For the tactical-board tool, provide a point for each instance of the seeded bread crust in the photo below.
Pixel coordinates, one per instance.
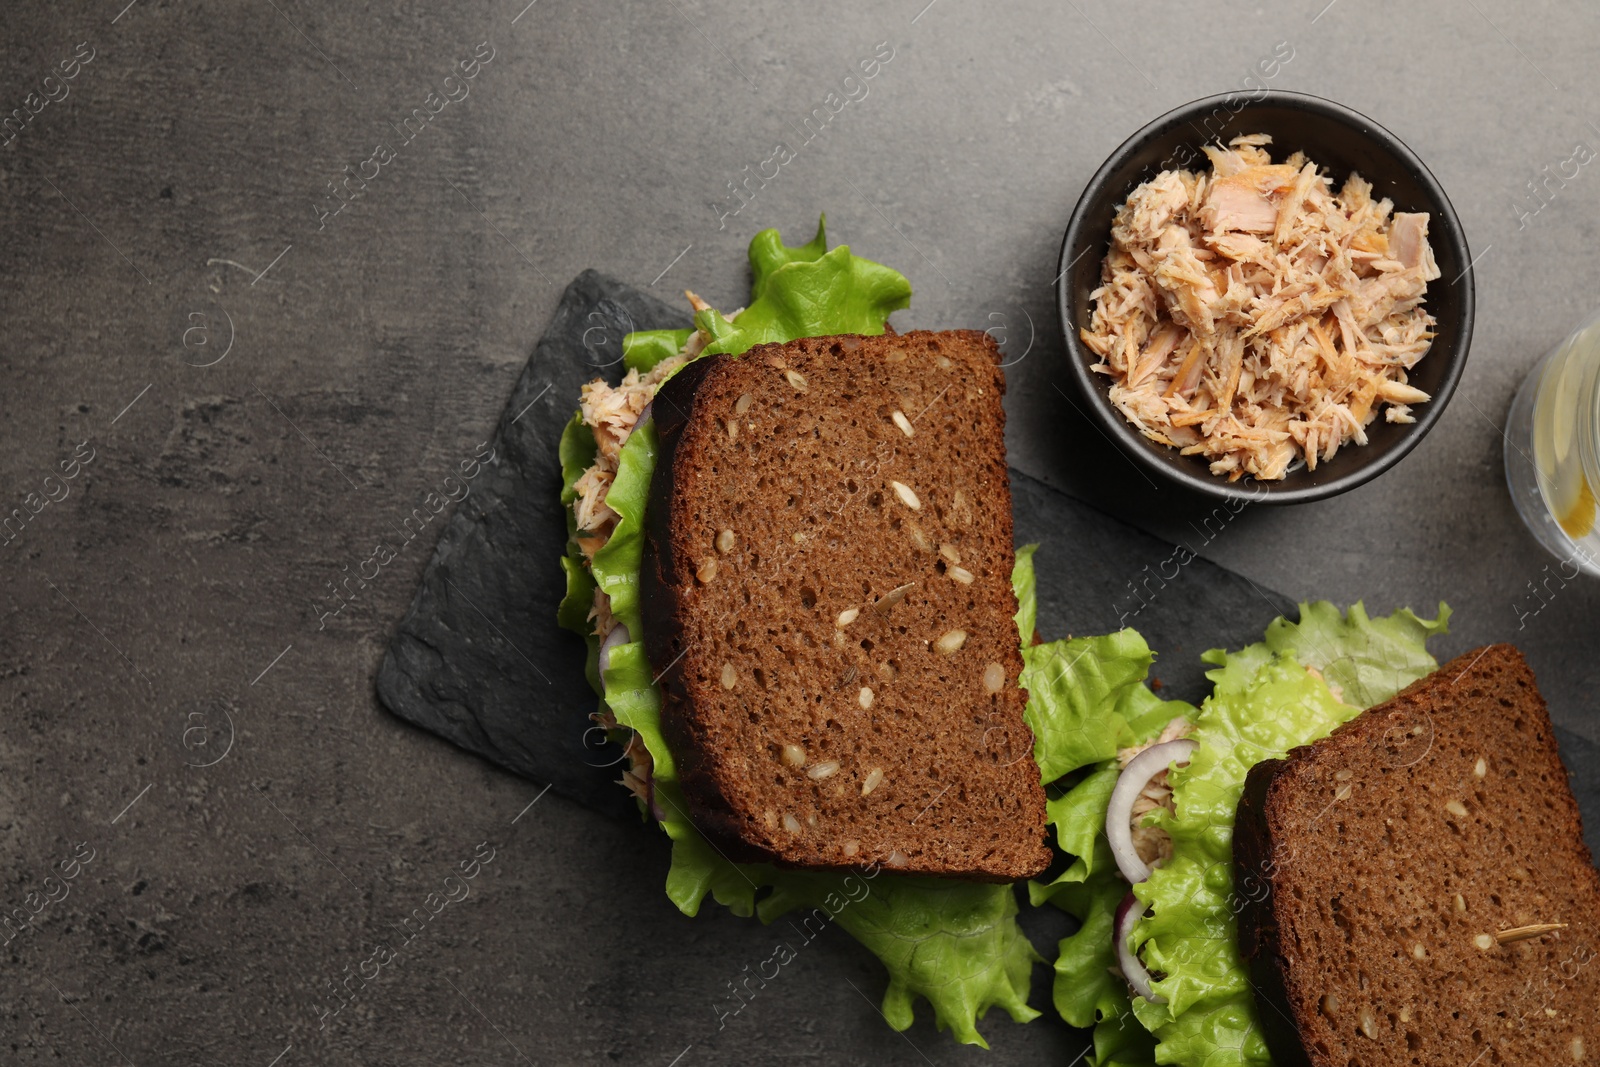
(804, 735)
(1375, 865)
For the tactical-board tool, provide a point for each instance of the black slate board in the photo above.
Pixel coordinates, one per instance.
(479, 660)
(1097, 574)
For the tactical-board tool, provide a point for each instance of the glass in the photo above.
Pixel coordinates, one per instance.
(1552, 450)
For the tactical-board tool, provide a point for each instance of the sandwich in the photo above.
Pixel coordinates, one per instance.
(791, 557)
(1479, 950)
(1344, 855)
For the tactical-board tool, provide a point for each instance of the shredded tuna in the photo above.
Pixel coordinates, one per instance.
(610, 412)
(600, 612)
(1151, 842)
(1253, 316)
(637, 778)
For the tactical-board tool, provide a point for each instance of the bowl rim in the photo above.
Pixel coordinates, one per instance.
(1134, 444)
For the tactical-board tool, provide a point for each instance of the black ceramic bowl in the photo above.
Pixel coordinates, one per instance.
(1339, 141)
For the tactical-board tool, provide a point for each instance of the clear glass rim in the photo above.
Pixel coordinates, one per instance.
(1543, 377)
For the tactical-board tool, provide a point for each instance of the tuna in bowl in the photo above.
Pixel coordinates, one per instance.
(1265, 298)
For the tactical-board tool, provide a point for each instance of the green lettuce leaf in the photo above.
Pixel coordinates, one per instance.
(1087, 698)
(577, 452)
(955, 943)
(1086, 992)
(1265, 702)
(643, 349)
(1368, 660)
(616, 565)
(807, 291)
(1025, 586)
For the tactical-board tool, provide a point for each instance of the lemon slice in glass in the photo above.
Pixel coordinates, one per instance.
(1566, 489)
(1577, 517)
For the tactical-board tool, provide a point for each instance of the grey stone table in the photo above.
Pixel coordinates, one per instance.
(270, 273)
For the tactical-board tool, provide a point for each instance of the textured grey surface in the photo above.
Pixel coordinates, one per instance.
(375, 354)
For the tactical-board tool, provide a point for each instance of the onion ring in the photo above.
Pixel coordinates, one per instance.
(1119, 812)
(619, 635)
(1133, 968)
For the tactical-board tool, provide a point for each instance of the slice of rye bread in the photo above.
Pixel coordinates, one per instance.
(796, 600)
(1375, 867)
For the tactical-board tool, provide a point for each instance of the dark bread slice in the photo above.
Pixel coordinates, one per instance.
(1348, 857)
(814, 454)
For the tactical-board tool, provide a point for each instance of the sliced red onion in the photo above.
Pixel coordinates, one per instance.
(618, 636)
(1119, 813)
(644, 413)
(1132, 967)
